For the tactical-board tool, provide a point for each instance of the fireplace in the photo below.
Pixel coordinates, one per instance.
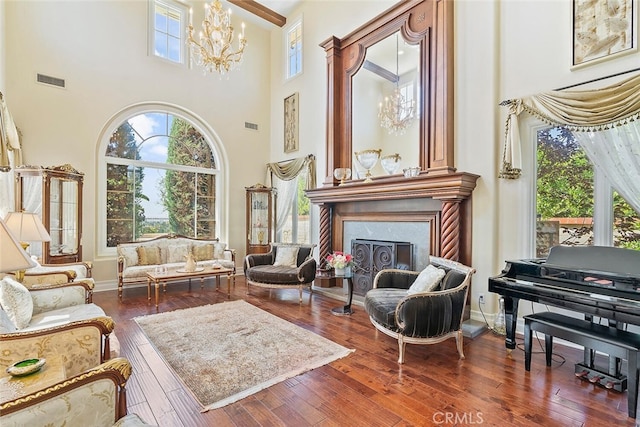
(433, 212)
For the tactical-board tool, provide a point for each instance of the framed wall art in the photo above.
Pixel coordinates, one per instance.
(291, 105)
(603, 29)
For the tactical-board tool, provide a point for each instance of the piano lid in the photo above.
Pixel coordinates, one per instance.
(600, 260)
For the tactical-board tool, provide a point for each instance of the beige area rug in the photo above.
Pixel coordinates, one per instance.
(225, 352)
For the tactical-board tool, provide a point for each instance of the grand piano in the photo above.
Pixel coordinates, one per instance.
(596, 281)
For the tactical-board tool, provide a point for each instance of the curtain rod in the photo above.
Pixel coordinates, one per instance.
(600, 78)
(309, 156)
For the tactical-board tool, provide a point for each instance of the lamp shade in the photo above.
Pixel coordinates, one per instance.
(27, 227)
(12, 256)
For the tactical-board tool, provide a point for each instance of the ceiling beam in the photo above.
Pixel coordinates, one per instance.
(261, 11)
(382, 72)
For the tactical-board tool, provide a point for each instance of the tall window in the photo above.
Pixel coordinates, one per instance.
(293, 48)
(569, 196)
(161, 177)
(168, 29)
(295, 226)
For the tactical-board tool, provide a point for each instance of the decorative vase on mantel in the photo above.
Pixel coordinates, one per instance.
(339, 271)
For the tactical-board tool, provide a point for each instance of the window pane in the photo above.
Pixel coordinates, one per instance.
(626, 224)
(173, 25)
(174, 49)
(565, 195)
(161, 18)
(146, 201)
(160, 45)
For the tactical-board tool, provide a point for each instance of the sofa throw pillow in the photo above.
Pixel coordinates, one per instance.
(130, 255)
(178, 253)
(203, 252)
(6, 325)
(286, 256)
(149, 255)
(427, 281)
(218, 250)
(16, 302)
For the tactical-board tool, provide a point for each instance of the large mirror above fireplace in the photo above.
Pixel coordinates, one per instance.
(385, 103)
(438, 199)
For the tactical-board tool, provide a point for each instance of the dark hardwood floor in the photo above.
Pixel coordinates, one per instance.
(367, 388)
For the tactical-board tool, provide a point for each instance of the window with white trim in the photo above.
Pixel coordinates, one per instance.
(575, 204)
(293, 49)
(159, 175)
(167, 30)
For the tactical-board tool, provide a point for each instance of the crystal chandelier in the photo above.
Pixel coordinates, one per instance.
(396, 113)
(214, 51)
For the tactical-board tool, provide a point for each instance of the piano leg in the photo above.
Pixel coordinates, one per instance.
(511, 320)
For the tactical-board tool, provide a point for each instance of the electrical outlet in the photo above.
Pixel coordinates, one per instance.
(481, 299)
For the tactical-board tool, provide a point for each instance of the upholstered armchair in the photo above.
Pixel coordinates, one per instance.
(96, 397)
(429, 314)
(54, 320)
(286, 265)
(53, 274)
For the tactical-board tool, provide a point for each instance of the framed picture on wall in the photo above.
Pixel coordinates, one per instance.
(291, 105)
(603, 29)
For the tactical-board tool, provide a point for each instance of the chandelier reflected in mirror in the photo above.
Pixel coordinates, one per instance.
(213, 50)
(396, 113)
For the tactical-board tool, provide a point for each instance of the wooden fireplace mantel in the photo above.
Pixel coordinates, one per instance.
(450, 186)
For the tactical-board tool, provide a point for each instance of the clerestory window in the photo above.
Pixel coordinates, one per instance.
(167, 30)
(293, 49)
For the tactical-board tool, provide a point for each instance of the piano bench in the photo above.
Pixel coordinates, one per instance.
(612, 341)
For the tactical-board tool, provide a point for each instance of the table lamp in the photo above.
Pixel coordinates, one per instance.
(12, 256)
(26, 227)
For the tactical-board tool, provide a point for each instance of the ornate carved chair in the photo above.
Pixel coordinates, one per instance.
(54, 320)
(286, 265)
(420, 316)
(96, 397)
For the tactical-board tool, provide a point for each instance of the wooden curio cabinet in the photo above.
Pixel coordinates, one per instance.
(261, 218)
(55, 194)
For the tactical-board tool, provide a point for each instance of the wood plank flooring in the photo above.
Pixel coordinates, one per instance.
(367, 388)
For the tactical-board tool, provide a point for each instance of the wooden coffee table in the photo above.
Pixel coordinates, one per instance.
(179, 275)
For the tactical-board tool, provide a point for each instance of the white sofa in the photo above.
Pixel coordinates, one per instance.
(52, 274)
(135, 259)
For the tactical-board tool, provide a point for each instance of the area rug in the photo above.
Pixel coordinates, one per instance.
(225, 352)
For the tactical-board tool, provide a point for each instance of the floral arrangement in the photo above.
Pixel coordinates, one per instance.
(340, 260)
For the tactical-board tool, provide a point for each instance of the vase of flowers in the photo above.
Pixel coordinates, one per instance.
(340, 261)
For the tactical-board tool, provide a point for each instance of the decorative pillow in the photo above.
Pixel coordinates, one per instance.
(130, 255)
(149, 255)
(427, 281)
(6, 325)
(218, 250)
(287, 256)
(16, 302)
(178, 253)
(203, 252)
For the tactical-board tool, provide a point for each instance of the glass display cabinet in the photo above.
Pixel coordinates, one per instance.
(55, 194)
(261, 218)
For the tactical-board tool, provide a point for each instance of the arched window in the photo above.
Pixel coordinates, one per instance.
(160, 174)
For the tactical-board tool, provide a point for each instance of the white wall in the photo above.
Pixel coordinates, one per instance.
(100, 49)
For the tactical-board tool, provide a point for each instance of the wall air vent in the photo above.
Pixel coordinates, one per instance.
(48, 80)
(251, 126)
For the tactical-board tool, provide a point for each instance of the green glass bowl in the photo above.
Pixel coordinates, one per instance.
(26, 367)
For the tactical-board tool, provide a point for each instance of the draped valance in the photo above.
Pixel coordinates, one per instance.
(578, 110)
(290, 169)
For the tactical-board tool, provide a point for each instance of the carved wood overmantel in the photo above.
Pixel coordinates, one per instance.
(429, 25)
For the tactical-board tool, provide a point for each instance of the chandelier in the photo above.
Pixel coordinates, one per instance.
(214, 50)
(396, 113)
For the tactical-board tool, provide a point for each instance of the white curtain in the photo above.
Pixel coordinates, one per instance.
(604, 121)
(286, 191)
(616, 152)
(283, 176)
